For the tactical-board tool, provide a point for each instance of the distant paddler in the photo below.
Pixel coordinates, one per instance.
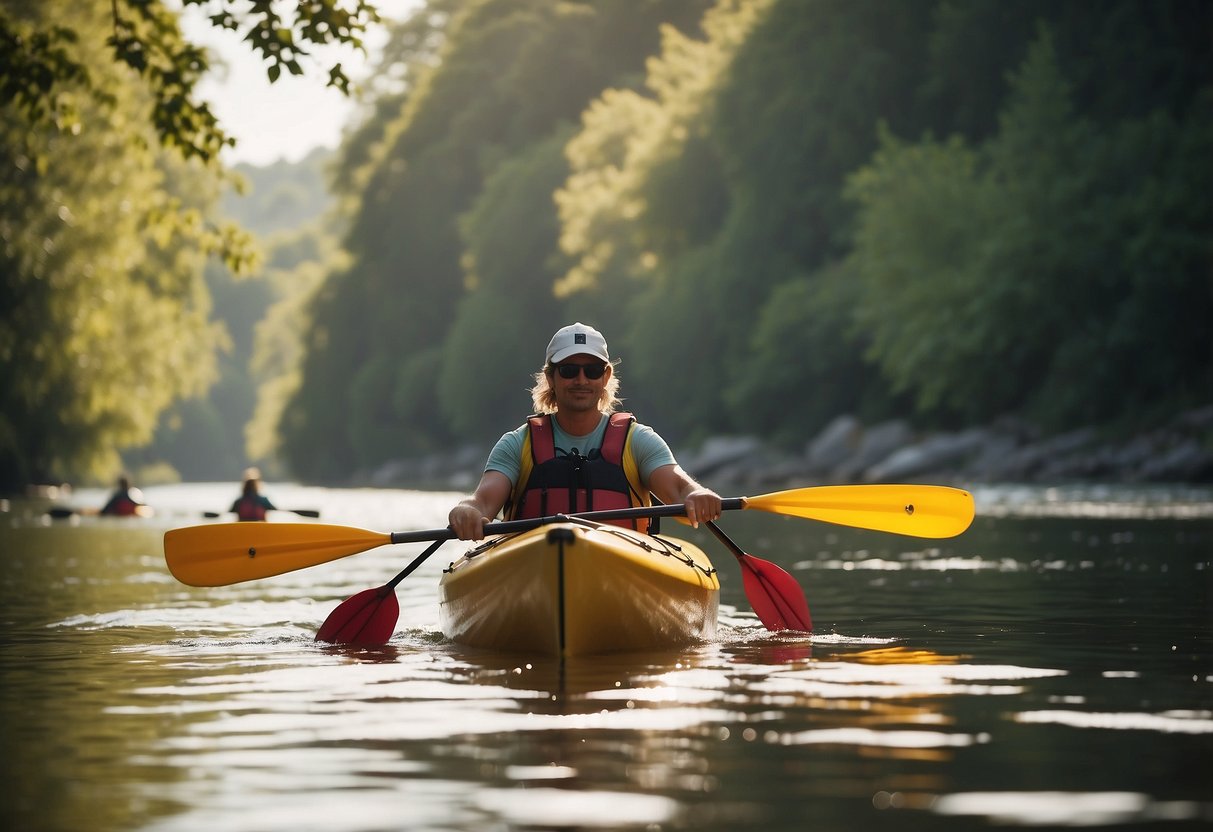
(252, 504)
(126, 501)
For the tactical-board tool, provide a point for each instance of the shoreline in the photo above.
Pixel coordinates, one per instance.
(846, 451)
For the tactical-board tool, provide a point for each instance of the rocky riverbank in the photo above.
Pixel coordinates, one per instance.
(847, 451)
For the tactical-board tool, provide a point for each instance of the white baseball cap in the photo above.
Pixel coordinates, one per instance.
(577, 339)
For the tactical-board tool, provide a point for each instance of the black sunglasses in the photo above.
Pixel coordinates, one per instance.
(570, 370)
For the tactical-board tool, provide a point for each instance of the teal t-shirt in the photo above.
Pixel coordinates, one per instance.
(650, 450)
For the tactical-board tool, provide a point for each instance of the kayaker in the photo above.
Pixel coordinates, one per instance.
(251, 504)
(126, 501)
(577, 453)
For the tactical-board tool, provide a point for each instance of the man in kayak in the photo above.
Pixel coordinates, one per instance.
(577, 453)
(126, 501)
(251, 504)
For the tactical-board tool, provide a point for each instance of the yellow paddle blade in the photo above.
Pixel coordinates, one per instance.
(917, 510)
(228, 553)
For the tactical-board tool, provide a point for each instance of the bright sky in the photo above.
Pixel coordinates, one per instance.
(286, 119)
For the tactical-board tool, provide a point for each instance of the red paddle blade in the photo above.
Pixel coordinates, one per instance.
(775, 596)
(366, 618)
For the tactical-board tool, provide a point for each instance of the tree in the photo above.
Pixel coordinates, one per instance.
(512, 72)
(509, 235)
(106, 319)
(1059, 270)
(700, 199)
(42, 73)
(110, 170)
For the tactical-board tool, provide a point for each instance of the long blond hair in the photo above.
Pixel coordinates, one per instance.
(544, 400)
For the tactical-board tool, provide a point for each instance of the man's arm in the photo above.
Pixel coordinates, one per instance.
(671, 484)
(469, 516)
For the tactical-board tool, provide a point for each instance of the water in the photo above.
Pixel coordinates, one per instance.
(1052, 667)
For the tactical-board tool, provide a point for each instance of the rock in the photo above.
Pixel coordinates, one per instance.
(719, 452)
(1009, 451)
(1185, 462)
(464, 467)
(772, 475)
(1199, 419)
(389, 473)
(996, 448)
(836, 442)
(877, 443)
(1031, 459)
(935, 454)
(758, 467)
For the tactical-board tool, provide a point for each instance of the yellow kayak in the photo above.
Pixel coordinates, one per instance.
(579, 588)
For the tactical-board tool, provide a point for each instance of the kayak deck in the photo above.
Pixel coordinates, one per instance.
(580, 588)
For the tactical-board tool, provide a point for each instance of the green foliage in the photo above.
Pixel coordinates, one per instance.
(33, 64)
(510, 233)
(373, 398)
(194, 436)
(108, 187)
(106, 316)
(646, 182)
(216, 435)
(797, 113)
(725, 185)
(278, 349)
(1059, 271)
(312, 429)
(43, 76)
(676, 339)
(645, 211)
(921, 273)
(792, 209)
(511, 73)
(806, 357)
(283, 196)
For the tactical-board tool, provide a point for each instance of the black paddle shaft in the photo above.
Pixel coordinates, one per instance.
(417, 561)
(676, 510)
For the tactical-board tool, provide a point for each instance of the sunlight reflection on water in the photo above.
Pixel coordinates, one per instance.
(1067, 808)
(1095, 501)
(576, 809)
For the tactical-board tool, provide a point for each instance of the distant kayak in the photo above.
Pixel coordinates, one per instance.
(63, 512)
(302, 512)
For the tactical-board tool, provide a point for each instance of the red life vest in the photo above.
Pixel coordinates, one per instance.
(249, 508)
(557, 481)
(122, 506)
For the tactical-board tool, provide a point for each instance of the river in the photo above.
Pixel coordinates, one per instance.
(1052, 667)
